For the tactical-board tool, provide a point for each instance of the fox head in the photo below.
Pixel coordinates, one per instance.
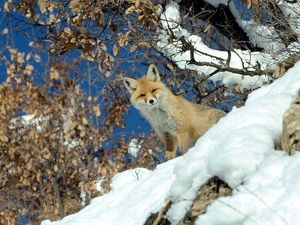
(148, 91)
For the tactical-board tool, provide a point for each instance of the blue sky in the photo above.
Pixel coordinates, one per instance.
(134, 121)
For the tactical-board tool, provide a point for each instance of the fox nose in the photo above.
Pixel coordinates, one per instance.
(152, 101)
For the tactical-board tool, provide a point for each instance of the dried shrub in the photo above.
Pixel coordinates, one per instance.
(51, 142)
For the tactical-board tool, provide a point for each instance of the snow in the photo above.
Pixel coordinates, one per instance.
(291, 11)
(259, 35)
(27, 120)
(171, 18)
(134, 147)
(239, 149)
(262, 36)
(124, 205)
(216, 3)
(271, 195)
(233, 152)
(31, 120)
(239, 59)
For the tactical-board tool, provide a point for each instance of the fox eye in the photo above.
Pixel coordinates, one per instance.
(142, 95)
(153, 90)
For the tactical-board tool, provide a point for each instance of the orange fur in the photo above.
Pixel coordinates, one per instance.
(176, 121)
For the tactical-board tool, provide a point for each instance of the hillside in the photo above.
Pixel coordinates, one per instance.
(239, 150)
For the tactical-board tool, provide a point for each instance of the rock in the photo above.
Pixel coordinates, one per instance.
(290, 140)
(210, 191)
(159, 218)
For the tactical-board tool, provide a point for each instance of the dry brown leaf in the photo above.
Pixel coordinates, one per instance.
(74, 5)
(238, 88)
(37, 58)
(107, 73)
(97, 110)
(43, 5)
(84, 121)
(171, 67)
(54, 75)
(67, 30)
(133, 47)
(208, 28)
(115, 50)
(6, 6)
(5, 31)
(51, 6)
(4, 138)
(130, 10)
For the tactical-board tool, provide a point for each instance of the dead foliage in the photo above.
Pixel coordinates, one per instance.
(56, 138)
(52, 139)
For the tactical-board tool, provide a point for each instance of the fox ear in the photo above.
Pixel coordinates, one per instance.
(152, 73)
(130, 83)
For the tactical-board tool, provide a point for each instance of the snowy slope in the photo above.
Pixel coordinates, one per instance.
(239, 149)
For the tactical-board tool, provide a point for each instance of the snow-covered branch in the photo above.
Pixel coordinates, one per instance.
(235, 66)
(221, 67)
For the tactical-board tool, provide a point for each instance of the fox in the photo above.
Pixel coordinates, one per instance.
(176, 121)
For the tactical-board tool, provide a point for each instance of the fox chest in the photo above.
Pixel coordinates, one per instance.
(163, 121)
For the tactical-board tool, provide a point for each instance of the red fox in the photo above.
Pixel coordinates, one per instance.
(176, 121)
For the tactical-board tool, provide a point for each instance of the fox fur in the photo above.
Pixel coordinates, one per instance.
(176, 121)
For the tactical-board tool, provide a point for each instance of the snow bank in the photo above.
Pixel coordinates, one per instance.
(135, 194)
(236, 146)
(239, 149)
(270, 195)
